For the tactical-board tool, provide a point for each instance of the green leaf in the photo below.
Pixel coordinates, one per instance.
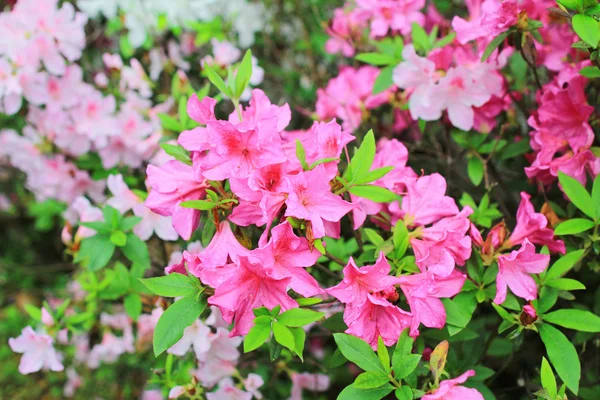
(377, 59)
(574, 226)
(34, 312)
(133, 305)
(203, 205)
(95, 252)
(301, 154)
(373, 175)
(587, 29)
(274, 349)
(404, 393)
(111, 216)
(299, 317)
(374, 237)
(173, 285)
(406, 365)
(564, 264)
(118, 238)
(217, 81)
(566, 284)
(370, 380)
(182, 110)
(384, 80)
(359, 352)
(590, 72)
(596, 195)
(98, 226)
(363, 157)
(383, 354)
(475, 170)
(420, 38)
(262, 311)
(257, 335)
(177, 152)
(353, 393)
(309, 301)
(322, 161)
(493, 45)
(299, 339)
(243, 74)
(169, 123)
(570, 4)
(374, 193)
(128, 223)
(503, 313)
(579, 320)
(400, 239)
(402, 352)
(577, 194)
(548, 380)
(562, 355)
(136, 250)
(208, 231)
(284, 336)
(181, 314)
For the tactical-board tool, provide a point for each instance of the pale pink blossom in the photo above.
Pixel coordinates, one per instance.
(307, 381)
(38, 352)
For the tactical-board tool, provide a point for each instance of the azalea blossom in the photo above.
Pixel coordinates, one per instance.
(514, 270)
(38, 352)
(450, 389)
(248, 288)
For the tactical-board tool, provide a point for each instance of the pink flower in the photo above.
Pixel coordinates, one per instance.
(228, 391)
(123, 198)
(426, 202)
(349, 94)
(450, 390)
(223, 248)
(224, 52)
(252, 383)
(418, 75)
(220, 361)
(172, 184)
(250, 287)
(533, 227)
(440, 247)
(395, 15)
(201, 111)
(38, 352)
(514, 270)
(240, 149)
(376, 317)
(392, 153)
(286, 256)
(423, 292)
(529, 310)
(343, 29)
(81, 210)
(311, 199)
(359, 282)
(74, 381)
(308, 381)
(196, 336)
(460, 90)
(493, 18)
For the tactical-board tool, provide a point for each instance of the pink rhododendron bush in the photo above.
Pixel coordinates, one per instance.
(236, 200)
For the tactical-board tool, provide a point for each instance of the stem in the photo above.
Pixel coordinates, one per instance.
(236, 104)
